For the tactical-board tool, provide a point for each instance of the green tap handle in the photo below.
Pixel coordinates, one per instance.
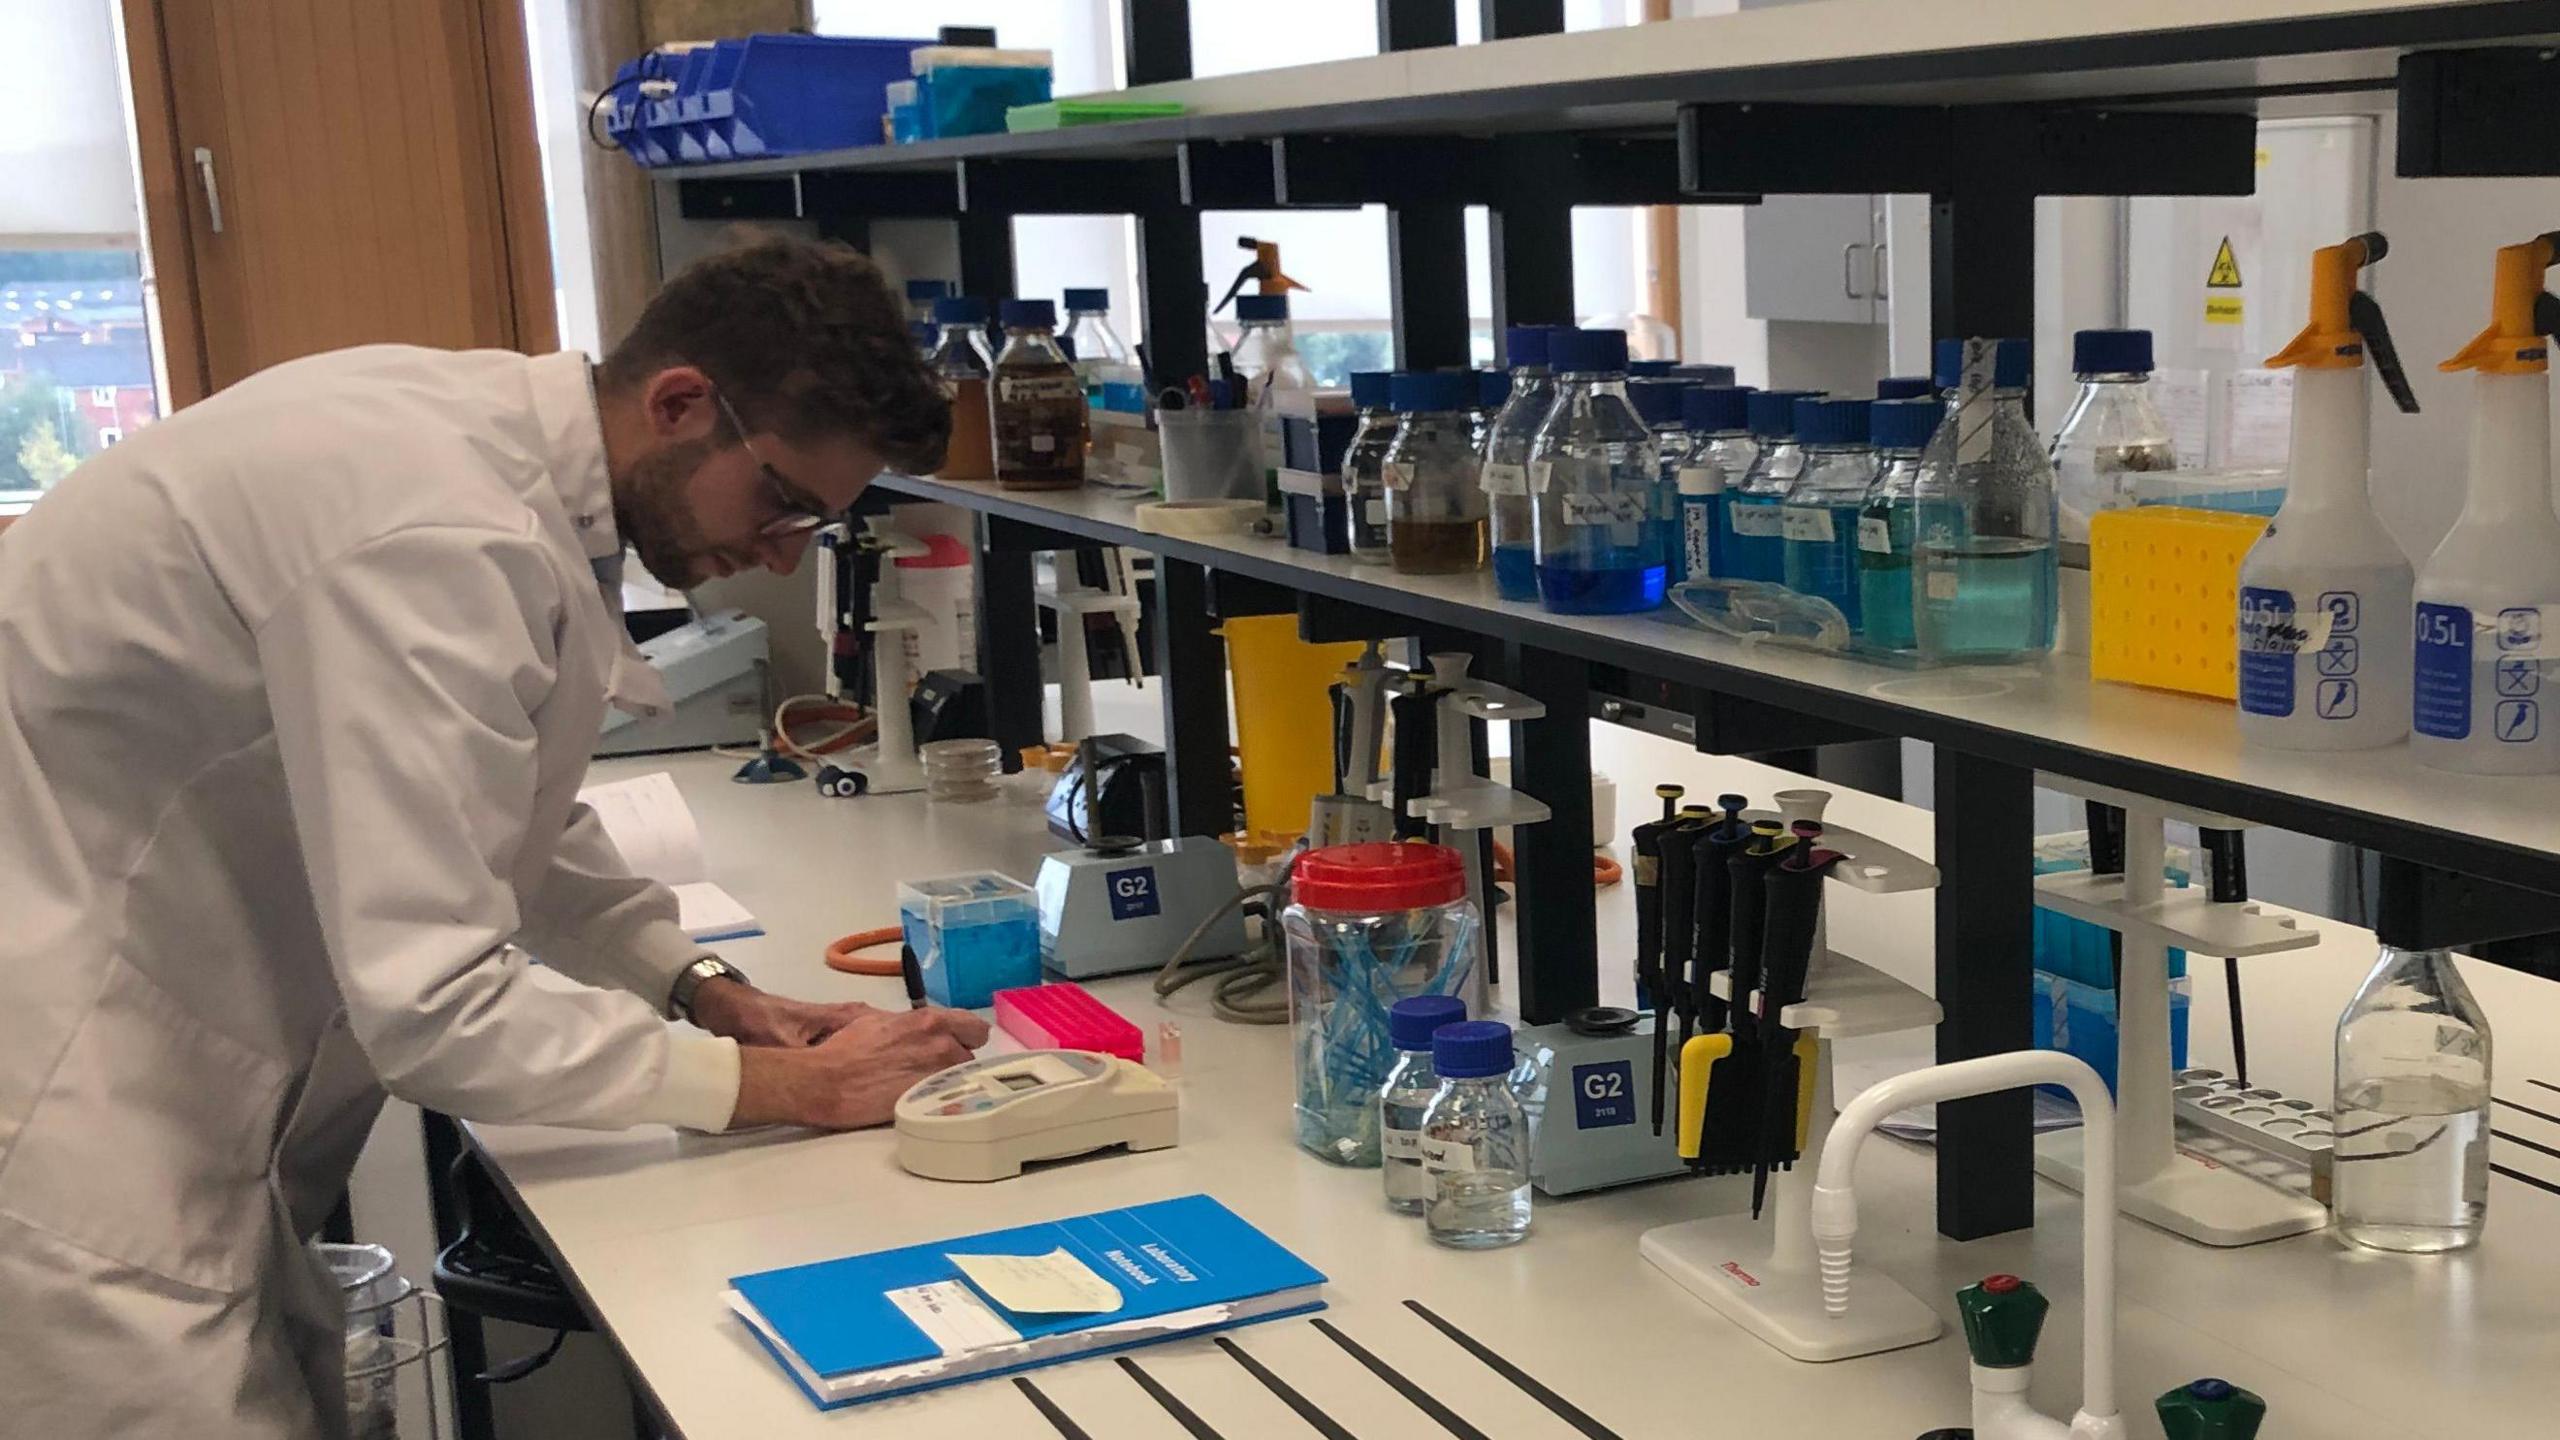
(2210, 1410)
(2002, 1315)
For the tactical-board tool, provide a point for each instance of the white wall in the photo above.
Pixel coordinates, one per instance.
(64, 148)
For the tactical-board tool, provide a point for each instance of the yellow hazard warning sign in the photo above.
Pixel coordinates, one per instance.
(2225, 274)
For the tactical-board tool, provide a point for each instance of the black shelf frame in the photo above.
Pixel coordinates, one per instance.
(1983, 132)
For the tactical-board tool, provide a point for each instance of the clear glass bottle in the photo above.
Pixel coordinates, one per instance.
(1435, 498)
(1267, 361)
(1364, 486)
(2112, 429)
(1754, 540)
(2410, 1168)
(960, 357)
(1475, 1140)
(1596, 478)
(1100, 354)
(1506, 461)
(1493, 391)
(1410, 1086)
(1983, 583)
(1041, 418)
(1721, 449)
(1656, 400)
(1899, 430)
(1818, 549)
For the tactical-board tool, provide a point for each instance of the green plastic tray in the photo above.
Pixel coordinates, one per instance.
(1058, 113)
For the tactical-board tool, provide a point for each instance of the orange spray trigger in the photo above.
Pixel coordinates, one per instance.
(2519, 313)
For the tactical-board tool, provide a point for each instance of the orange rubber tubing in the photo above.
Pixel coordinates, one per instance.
(1605, 872)
(846, 954)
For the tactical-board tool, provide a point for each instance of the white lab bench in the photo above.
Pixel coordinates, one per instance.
(650, 1225)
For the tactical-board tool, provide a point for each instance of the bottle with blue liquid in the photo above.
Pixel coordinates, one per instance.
(1754, 539)
(1819, 523)
(1721, 449)
(1657, 402)
(1899, 430)
(1595, 480)
(1983, 560)
(1505, 475)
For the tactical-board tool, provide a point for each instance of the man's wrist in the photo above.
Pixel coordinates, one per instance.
(771, 1087)
(719, 1005)
(682, 995)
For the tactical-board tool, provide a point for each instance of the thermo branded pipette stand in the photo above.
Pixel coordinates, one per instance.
(1763, 1275)
(889, 765)
(2209, 1196)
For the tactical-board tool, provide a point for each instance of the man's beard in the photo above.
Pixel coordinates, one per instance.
(655, 517)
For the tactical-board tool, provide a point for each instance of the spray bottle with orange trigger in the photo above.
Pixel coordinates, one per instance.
(2324, 594)
(2488, 599)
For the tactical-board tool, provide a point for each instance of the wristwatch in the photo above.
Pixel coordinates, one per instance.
(690, 978)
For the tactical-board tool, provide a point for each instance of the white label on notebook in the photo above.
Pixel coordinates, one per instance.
(952, 1316)
(1057, 1283)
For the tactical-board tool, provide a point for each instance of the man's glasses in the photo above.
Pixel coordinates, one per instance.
(799, 515)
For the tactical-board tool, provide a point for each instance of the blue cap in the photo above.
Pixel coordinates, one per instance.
(1711, 408)
(1262, 307)
(1088, 297)
(1905, 387)
(1028, 315)
(1471, 1048)
(1656, 398)
(1369, 389)
(1413, 1020)
(1527, 344)
(1587, 352)
(1704, 374)
(928, 289)
(959, 310)
(1650, 367)
(2111, 352)
(2207, 1388)
(1772, 413)
(1946, 363)
(1904, 424)
(1414, 392)
(922, 330)
(1831, 422)
(1492, 388)
(2012, 362)
(1066, 346)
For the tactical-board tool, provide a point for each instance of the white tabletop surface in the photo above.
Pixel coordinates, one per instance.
(652, 1224)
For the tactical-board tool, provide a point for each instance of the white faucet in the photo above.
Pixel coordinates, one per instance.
(2000, 1408)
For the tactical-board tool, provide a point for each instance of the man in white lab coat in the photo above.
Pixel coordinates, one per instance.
(296, 690)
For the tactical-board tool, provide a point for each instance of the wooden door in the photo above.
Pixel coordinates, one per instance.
(328, 173)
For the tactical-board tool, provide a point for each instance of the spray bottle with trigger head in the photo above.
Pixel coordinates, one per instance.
(2489, 595)
(2324, 594)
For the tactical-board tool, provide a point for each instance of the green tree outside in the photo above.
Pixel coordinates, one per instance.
(33, 417)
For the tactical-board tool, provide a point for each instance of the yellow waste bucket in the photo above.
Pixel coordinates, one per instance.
(1284, 717)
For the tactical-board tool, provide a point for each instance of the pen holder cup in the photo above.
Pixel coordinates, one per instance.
(1211, 454)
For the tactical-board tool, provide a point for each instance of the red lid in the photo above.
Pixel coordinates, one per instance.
(2001, 1284)
(1379, 876)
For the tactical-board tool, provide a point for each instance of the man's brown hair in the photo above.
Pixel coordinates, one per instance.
(805, 339)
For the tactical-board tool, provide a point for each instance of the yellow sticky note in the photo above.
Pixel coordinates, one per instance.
(1057, 1283)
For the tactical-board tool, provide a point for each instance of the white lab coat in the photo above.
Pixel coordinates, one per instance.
(296, 690)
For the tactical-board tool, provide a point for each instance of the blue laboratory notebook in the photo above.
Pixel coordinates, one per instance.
(870, 1326)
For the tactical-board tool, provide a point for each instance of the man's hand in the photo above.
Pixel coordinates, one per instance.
(853, 1077)
(752, 1017)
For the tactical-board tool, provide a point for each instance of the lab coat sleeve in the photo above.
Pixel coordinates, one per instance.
(595, 920)
(405, 680)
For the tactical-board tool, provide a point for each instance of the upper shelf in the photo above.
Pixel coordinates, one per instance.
(2050, 716)
(1922, 52)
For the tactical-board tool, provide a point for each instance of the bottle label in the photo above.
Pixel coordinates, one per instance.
(1806, 524)
(1373, 510)
(1756, 521)
(1697, 531)
(1025, 389)
(1448, 1157)
(1610, 508)
(1941, 585)
(1875, 536)
(2442, 700)
(1540, 473)
(1504, 478)
(1397, 1144)
(1043, 443)
(1396, 474)
(1700, 480)
(2270, 638)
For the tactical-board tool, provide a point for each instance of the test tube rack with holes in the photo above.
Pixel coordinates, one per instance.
(2295, 1131)
(1763, 1274)
(2205, 1187)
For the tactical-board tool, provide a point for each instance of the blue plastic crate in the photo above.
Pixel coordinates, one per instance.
(794, 94)
(2084, 1019)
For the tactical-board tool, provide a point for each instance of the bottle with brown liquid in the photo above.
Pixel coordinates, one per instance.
(960, 358)
(1040, 414)
(1436, 512)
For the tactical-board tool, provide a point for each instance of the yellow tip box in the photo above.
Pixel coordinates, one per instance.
(2164, 597)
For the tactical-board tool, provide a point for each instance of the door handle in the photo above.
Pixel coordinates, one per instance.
(1849, 270)
(212, 187)
(1879, 273)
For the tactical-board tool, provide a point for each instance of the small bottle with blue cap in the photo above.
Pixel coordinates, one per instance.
(1754, 541)
(1475, 1141)
(1041, 418)
(1408, 1093)
(1505, 475)
(1364, 490)
(1818, 532)
(1718, 459)
(1899, 430)
(1596, 481)
(1983, 553)
(960, 360)
(1435, 499)
(1657, 402)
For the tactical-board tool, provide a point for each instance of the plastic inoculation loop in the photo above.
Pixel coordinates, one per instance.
(1758, 612)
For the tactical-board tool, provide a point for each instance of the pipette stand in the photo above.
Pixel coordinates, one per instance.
(1074, 600)
(1763, 1275)
(889, 765)
(2180, 1189)
(1460, 799)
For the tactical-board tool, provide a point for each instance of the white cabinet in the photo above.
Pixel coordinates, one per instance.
(1816, 257)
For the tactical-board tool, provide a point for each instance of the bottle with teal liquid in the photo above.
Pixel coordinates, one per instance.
(1899, 430)
(1983, 556)
(1754, 542)
(1819, 523)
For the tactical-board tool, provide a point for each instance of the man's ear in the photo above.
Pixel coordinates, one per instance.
(681, 403)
